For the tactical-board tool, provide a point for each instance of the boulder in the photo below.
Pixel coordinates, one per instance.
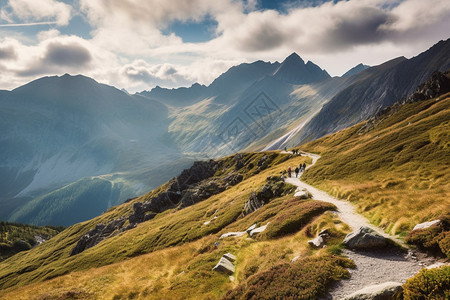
(426, 225)
(251, 228)
(364, 238)
(252, 204)
(318, 242)
(302, 193)
(258, 230)
(224, 266)
(230, 257)
(233, 234)
(383, 291)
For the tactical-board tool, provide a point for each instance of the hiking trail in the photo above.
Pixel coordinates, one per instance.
(372, 267)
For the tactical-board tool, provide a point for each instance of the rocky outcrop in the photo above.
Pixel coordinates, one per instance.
(98, 234)
(364, 238)
(438, 84)
(272, 189)
(191, 186)
(232, 234)
(225, 265)
(383, 291)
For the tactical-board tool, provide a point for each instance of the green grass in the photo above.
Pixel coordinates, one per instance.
(15, 237)
(170, 228)
(396, 173)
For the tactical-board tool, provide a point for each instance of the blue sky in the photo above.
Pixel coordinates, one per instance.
(138, 44)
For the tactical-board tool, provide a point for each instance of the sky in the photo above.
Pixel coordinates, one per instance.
(138, 44)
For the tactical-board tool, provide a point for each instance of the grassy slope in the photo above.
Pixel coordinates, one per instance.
(397, 173)
(171, 228)
(15, 237)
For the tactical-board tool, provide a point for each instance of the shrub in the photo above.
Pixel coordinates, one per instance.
(307, 278)
(296, 215)
(428, 284)
(435, 239)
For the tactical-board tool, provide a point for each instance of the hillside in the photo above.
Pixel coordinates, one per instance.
(15, 237)
(394, 167)
(165, 243)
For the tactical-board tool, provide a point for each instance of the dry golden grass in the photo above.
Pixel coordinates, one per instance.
(396, 174)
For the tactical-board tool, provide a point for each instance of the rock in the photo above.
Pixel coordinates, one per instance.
(258, 230)
(224, 266)
(295, 258)
(426, 225)
(233, 179)
(208, 222)
(251, 228)
(318, 242)
(232, 234)
(302, 195)
(383, 291)
(364, 238)
(325, 233)
(252, 204)
(436, 265)
(230, 257)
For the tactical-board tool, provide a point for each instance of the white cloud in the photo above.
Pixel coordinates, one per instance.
(38, 10)
(129, 48)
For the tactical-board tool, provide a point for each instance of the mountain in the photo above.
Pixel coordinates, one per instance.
(58, 130)
(355, 70)
(294, 70)
(164, 244)
(374, 89)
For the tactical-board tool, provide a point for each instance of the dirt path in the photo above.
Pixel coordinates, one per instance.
(371, 267)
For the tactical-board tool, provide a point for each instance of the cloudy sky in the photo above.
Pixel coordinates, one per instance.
(138, 44)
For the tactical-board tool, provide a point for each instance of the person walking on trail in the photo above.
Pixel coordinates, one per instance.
(296, 172)
(289, 172)
(282, 176)
(304, 167)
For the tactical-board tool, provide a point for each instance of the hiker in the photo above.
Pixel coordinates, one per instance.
(282, 176)
(304, 167)
(289, 171)
(296, 172)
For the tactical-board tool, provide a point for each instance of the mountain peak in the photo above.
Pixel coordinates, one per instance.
(294, 57)
(355, 70)
(293, 70)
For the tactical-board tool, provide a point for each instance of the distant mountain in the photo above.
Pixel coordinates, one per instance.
(58, 130)
(375, 88)
(294, 70)
(355, 70)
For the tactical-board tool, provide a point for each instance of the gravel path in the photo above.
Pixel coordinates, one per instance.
(371, 267)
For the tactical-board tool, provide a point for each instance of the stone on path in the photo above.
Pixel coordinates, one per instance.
(224, 266)
(233, 234)
(426, 225)
(302, 193)
(383, 291)
(364, 238)
(258, 230)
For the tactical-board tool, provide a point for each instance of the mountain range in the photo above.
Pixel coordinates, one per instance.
(73, 147)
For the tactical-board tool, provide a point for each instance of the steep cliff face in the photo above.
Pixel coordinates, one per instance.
(376, 88)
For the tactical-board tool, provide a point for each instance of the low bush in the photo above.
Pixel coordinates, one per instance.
(295, 215)
(307, 278)
(435, 239)
(428, 284)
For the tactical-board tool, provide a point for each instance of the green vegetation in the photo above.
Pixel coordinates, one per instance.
(428, 284)
(307, 278)
(15, 237)
(170, 228)
(394, 169)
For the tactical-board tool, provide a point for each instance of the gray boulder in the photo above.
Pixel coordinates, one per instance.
(383, 291)
(364, 238)
(224, 266)
(232, 234)
(230, 257)
(258, 230)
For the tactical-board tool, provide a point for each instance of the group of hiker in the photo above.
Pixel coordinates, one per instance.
(300, 168)
(294, 151)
